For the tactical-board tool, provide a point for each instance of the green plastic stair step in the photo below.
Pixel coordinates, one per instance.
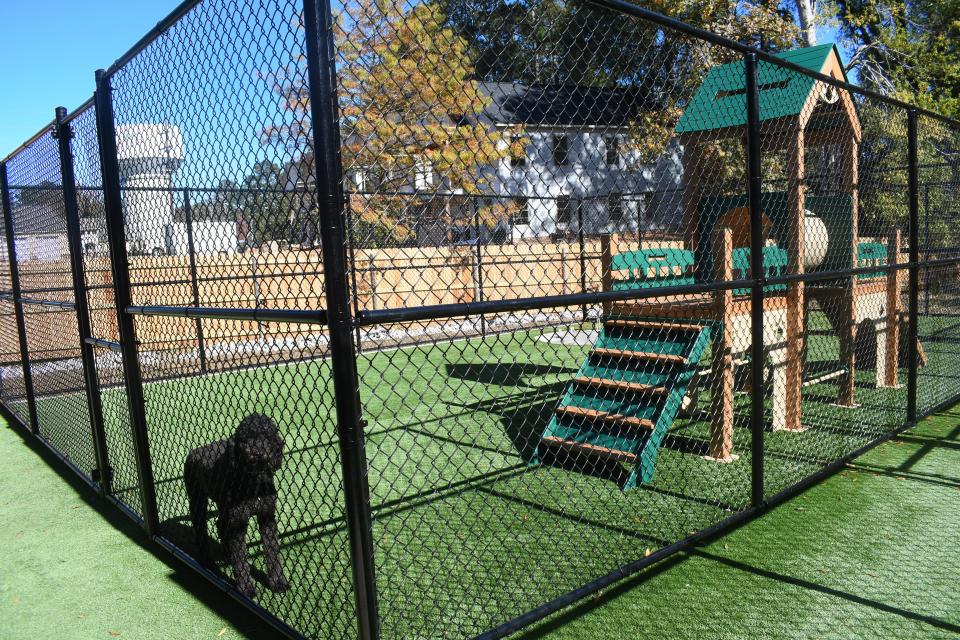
(607, 384)
(639, 355)
(616, 419)
(628, 391)
(591, 449)
(647, 324)
(645, 342)
(631, 440)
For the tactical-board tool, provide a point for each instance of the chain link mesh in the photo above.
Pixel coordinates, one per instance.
(548, 236)
(46, 285)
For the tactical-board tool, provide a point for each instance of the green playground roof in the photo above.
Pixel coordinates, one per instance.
(720, 101)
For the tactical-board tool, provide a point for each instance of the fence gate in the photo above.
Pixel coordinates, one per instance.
(59, 406)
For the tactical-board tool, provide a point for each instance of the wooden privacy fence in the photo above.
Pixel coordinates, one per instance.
(380, 278)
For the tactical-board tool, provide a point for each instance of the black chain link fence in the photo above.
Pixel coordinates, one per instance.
(528, 299)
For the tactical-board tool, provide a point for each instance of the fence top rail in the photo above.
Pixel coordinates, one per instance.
(47, 128)
(71, 116)
(158, 30)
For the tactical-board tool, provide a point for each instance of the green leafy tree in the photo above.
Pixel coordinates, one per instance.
(409, 101)
(908, 49)
(557, 42)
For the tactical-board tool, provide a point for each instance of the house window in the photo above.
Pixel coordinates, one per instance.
(521, 212)
(518, 157)
(561, 150)
(564, 210)
(615, 206)
(612, 146)
(423, 174)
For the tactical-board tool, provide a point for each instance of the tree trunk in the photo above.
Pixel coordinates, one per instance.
(806, 12)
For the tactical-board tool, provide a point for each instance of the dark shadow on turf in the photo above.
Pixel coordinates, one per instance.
(830, 591)
(503, 373)
(245, 622)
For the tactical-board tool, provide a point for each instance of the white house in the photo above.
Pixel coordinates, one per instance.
(578, 164)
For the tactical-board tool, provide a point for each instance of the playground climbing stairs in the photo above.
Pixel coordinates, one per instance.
(627, 393)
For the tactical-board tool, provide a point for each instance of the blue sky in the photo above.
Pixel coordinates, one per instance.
(51, 49)
(49, 55)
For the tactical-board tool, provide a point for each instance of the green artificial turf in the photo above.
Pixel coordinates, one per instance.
(466, 533)
(73, 568)
(869, 553)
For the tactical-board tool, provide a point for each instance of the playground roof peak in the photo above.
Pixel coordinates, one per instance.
(720, 102)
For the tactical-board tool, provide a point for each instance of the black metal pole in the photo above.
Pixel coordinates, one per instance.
(194, 282)
(321, 74)
(354, 286)
(17, 303)
(581, 241)
(476, 226)
(103, 474)
(755, 203)
(116, 234)
(912, 308)
(926, 243)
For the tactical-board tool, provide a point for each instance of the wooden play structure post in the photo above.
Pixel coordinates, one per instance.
(721, 405)
(848, 301)
(892, 355)
(795, 259)
(691, 192)
(607, 249)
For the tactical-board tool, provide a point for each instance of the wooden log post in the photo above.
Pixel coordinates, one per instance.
(608, 248)
(848, 301)
(891, 360)
(795, 290)
(721, 403)
(848, 340)
(691, 192)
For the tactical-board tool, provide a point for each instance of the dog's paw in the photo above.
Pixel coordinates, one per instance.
(278, 584)
(247, 590)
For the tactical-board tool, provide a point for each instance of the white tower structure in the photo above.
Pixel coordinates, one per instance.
(148, 154)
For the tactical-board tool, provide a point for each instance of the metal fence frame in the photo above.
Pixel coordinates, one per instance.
(343, 319)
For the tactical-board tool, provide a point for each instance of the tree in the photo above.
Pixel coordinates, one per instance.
(409, 105)
(807, 18)
(909, 49)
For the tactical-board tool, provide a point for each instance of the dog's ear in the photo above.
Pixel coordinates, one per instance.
(231, 452)
(277, 458)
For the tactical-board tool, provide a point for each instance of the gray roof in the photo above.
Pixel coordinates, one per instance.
(39, 219)
(560, 106)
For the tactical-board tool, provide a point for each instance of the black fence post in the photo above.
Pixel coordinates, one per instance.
(194, 280)
(582, 246)
(63, 132)
(321, 74)
(17, 302)
(354, 285)
(116, 234)
(479, 258)
(755, 202)
(926, 244)
(913, 186)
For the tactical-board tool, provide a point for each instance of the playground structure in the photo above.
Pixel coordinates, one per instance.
(643, 368)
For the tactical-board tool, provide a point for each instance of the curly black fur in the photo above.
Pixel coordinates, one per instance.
(238, 475)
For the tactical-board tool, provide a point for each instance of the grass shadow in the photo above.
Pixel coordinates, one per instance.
(221, 604)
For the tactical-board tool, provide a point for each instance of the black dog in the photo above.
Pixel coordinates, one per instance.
(237, 474)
